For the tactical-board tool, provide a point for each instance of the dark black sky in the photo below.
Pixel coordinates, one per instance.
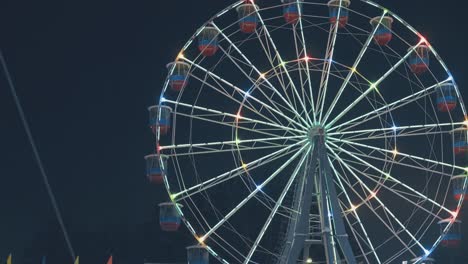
(85, 72)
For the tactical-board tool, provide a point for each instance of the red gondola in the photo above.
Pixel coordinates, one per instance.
(178, 78)
(291, 11)
(446, 97)
(334, 9)
(169, 217)
(383, 34)
(247, 18)
(208, 41)
(154, 172)
(163, 121)
(453, 237)
(419, 59)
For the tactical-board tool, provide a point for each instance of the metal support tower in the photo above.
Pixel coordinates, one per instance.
(317, 187)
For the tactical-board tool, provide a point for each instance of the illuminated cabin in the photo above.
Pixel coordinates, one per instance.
(290, 11)
(419, 59)
(169, 217)
(197, 255)
(460, 141)
(208, 41)
(334, 8)
(247, 18)
(163, 123)
(154, 172)
(178, 79)
(453, 236)
(383, 34)
(458, 182)
(446, 97)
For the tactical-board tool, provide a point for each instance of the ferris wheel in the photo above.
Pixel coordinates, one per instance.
(311, 131)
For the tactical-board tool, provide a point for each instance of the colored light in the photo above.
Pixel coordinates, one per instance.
(309, 260)
(238, 141)
(423, 40)
(307, 58)
(353, 69)
(353, 208)
(373, 194)
(244, 166)
(262, 76)
(180, 56)
(427, 252)
(455, 214)
(394, 128)
(395, 152)
(163, 99)
(238, 116)
(172, 196)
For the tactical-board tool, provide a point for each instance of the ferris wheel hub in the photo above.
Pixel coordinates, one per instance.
(317, 131)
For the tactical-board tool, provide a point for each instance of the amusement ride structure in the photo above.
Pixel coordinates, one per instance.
(310, 132)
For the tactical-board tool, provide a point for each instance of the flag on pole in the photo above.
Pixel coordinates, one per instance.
(9, 259)
(77, 260)
(110, 260)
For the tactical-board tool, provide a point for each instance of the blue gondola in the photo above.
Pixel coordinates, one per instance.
(198, 255)
(383, 34)
(453, 237)
(178, 79)
(419, 59)
(208, 41)
(154, 172)
(291, 11)
(446, 97)
(163, 121)
(458, 183)
(247, 18)
(334, 8)
(460, 141)
(169, 217)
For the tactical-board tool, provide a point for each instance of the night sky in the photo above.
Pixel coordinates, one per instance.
(85, 72)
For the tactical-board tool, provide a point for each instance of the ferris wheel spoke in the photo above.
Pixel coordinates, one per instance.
(246, 94)
(299, 62)
(282, 64)
(369, 242)
(400, 194)
(384, 207)
(258, 86)
(353, 69)
(393, 179)
(390, 107)
(253, 193)
(333, 33)
(306, 56)
(401, 163)
(183, 194)
(373, 86)
(234, 116)
(233, 125)
(260, 74)
(248, 104)
(399, 130)
(229, 143)
(398, 153)
(365, 201)
(278, 204)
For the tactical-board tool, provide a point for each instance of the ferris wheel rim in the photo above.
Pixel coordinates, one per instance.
(236, 5)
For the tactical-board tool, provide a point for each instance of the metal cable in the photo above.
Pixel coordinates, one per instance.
(36, 155)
